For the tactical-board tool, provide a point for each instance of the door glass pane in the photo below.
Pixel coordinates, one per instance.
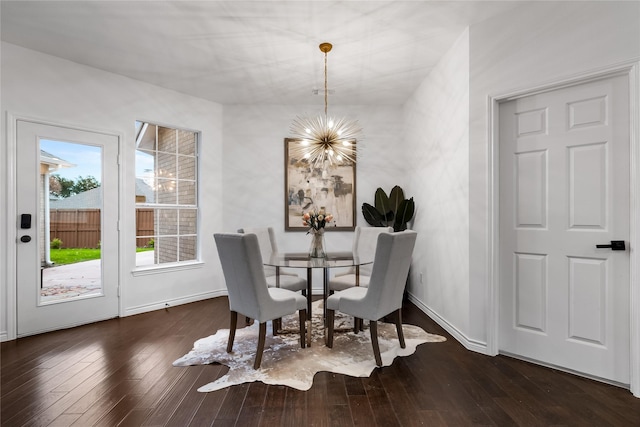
(70, 221)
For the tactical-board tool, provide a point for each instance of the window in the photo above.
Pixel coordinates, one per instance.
(166, 195)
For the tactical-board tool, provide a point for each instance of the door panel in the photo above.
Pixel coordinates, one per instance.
(53, 296)
(564, 188)
(588, 186)
(531, 291)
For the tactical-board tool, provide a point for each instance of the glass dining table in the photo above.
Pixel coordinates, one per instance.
(303, 260)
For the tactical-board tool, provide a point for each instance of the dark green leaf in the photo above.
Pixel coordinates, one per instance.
(372, 216)
(404, 215)
(395, 198)
(382, 202)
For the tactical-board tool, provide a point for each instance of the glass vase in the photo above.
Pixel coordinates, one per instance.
(317, 244)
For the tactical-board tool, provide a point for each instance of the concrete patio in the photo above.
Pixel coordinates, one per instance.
(79, 279)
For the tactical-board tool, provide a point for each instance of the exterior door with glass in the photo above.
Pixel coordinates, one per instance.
(67, 220)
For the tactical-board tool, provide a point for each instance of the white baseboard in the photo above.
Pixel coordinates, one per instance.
(130, 311)
(468, 343)
(4, 336)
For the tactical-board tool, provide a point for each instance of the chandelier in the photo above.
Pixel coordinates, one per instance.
(322, 140)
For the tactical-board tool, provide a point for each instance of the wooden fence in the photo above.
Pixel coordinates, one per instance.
(80, 228)
(144, 226)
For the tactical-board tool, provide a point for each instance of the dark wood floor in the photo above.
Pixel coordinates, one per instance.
(119, 372)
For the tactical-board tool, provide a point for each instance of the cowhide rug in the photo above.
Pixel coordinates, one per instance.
(285, 363)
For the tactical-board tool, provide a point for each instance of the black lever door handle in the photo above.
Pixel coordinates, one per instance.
(616, 245)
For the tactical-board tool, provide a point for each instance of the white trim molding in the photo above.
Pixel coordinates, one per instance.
(468, 343)
(632, 70)
(634, 300)
(10, 274)
(159, 305)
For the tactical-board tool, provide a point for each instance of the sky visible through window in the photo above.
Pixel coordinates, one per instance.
(86, 158)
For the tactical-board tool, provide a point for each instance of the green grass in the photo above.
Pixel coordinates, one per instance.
(73, 255)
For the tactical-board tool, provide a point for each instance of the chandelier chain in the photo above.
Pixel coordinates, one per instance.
(326, 89)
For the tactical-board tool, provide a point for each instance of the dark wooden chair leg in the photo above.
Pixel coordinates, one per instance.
(330, 316)
(261, 339)
(276, 325)
(356, 325)
(303, 320)
(373, 327)
(232, 330)
(398, 317)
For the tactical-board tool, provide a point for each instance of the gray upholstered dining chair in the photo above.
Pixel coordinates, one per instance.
(365, 240)
(268, 245)
(248, 292)
(384, 294)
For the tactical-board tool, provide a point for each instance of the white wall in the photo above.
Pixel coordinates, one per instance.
(446, 127)
(253, 170)
(48, 88)
(526, 47)
(436, 120)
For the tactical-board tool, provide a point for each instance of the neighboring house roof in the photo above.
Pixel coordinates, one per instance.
(53, 161)
(144, 189)
(92, 199)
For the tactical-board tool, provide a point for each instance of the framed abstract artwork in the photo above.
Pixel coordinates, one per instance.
(332, 188)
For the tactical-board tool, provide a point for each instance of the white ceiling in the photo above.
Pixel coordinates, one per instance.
(253, 51)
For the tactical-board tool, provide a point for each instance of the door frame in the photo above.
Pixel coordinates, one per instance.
(11, 230)
(632, 71)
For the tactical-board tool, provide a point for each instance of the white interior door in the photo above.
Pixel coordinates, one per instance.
(52, 296)
(564, 188)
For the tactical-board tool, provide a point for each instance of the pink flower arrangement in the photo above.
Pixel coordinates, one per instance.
(316, 220)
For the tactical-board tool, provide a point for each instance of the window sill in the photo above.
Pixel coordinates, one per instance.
(166, 268)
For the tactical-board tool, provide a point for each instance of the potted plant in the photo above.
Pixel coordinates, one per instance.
(389, 211)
